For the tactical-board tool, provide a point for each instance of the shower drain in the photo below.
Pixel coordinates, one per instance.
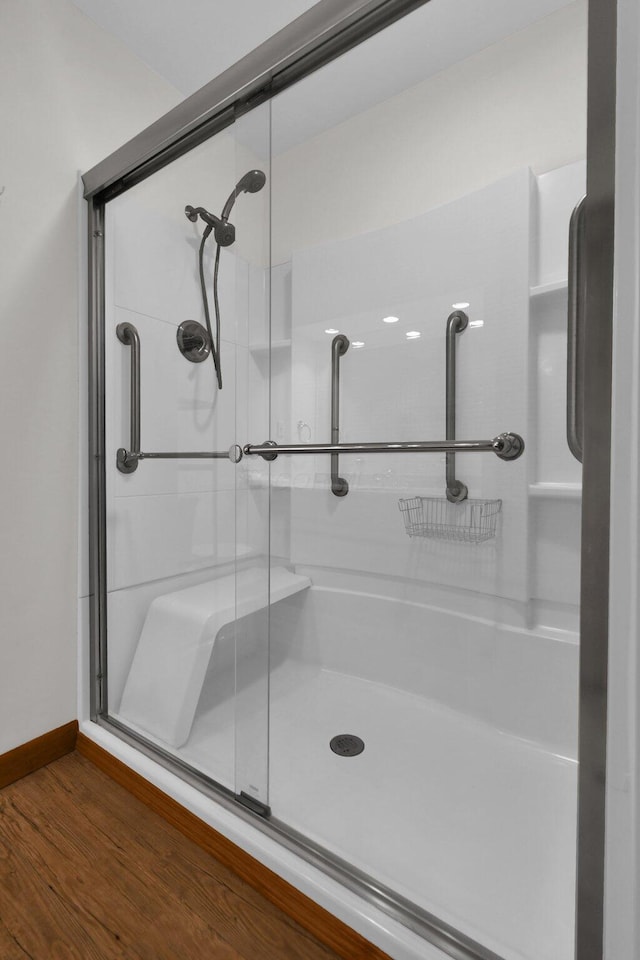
(347, 745)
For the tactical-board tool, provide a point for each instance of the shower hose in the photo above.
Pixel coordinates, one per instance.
(215, 341)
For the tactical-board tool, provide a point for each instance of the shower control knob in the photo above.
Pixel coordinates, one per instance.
(193, 341)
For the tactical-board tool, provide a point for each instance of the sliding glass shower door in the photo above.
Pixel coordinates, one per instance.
(424, 683)
(187, 525)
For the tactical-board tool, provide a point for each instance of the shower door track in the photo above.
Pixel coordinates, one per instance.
(327, 30)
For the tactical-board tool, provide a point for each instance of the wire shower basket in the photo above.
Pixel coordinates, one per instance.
(470, 521)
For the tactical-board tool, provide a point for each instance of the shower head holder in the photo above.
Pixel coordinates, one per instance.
(223, 231)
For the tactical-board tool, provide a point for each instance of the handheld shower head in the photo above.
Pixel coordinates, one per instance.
(225, 234)
(251, 182)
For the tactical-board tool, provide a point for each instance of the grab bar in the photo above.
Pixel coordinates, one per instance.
(575, 323)
(507, 446)
(127, 460)
(339, 346)
(456, 323)
(128, 334)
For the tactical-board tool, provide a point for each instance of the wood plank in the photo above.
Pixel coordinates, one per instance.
(77, 882)
(180, 868)
(329, 930)
(25, 759)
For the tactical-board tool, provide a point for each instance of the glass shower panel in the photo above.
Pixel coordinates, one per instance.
(186, 566)
(423, 708)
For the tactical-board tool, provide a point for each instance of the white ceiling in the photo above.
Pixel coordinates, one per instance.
(189, 42)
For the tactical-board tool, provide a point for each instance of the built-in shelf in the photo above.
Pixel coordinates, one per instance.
(546, 289)
(556, 491)
(265, 347)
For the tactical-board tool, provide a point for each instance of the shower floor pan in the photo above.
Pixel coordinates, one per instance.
(472, 824)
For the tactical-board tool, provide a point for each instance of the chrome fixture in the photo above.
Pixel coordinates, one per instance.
(575, 323)
(457, 322)
(127, 460)
(339, 346)
(224, 234)
(128, 334)
(193, 341)
(456, 518)
(252, 182)
(507, 446)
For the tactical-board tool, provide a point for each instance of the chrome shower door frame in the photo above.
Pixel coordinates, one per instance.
(327, 30)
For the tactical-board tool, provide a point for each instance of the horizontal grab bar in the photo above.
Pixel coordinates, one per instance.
(126, 458)
(507, 446)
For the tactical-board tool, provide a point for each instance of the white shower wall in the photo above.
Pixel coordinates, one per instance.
(504, 250)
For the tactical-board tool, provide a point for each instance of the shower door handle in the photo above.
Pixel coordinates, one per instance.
(575, 329)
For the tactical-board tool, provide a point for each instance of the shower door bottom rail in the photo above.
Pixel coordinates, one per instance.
(507, 446)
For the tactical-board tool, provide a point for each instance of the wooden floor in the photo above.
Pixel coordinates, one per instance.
(87, 871)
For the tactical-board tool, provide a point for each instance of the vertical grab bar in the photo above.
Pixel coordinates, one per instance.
(575, 322)
(128, 334)
(339, 346)
(456, 323)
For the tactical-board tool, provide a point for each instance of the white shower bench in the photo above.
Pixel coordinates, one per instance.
(177, 640)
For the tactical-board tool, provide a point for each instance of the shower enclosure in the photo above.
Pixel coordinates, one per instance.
(336, 540)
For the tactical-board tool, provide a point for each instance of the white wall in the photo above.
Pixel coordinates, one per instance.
(520, 102)
(70, 95)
